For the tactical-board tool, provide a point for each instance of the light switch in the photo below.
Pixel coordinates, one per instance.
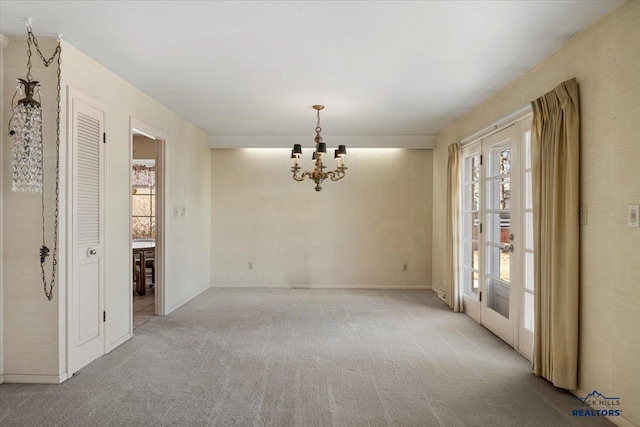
(183, 212)
(633, 217)
(175, 211)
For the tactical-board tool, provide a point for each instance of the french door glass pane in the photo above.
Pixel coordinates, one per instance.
(500, 163)
(528, 233)
(498, 297)
(528, 311)
(470, 282)
(499, 192)
(527, 150)
(499, 263)
(471, 197)
(528, 271)
(471, 226)
(498, 227)
(528, 191)
(471, 170)
(471, 256)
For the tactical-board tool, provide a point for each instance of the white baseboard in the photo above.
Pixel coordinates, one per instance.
(35, 379)
(186, 300)
(319, 286)
(619, 421)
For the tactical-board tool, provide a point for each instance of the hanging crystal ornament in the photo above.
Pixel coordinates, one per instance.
(26, 136)
(25, 129)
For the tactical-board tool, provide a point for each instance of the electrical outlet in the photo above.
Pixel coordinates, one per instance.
(175, 211)
(183, 212)
(633, 216)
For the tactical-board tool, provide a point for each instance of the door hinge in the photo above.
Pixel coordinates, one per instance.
(104, 316)
(480, 158)
(480, 296)
(104, 138)
(480, 228)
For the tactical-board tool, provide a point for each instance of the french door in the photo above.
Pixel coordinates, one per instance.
(496, 259)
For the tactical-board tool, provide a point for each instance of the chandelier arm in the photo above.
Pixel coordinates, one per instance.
(295, 171)
(337, 175)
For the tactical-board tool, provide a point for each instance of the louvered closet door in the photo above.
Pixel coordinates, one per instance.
(87, 327)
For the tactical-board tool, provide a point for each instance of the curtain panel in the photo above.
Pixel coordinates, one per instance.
(453, 232)
(555, 178)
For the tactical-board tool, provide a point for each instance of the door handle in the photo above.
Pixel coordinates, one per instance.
(507, 247)
(91, 252)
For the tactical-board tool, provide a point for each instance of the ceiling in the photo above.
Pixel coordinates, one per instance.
(389, 73)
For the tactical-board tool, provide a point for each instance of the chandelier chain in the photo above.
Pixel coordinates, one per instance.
(318, 128)
(44, 251)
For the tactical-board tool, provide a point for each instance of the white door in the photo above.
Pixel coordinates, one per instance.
(470, 261)
(496, 245)
(86, 328)
(497, 304)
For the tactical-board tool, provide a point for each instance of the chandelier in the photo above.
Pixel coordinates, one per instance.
(318, 175)
(25, 130)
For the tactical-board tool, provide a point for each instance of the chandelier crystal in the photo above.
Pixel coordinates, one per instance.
(318, 175)
(26, 136)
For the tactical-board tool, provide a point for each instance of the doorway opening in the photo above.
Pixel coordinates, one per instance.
(147, 201)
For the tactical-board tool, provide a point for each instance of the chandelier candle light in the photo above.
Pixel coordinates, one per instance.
(318, 174)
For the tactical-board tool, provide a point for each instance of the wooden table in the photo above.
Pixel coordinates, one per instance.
(141, 247)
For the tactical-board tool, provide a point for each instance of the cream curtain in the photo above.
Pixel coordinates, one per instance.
(556, 172)
(453, 221)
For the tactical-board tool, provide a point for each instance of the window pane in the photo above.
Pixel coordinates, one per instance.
(141, 205)
(142, 228)
(528, 311)
(528, 271)
(498, 227)
(499, 262)
(471, 197)
(470, 257)
(500, 162)
(528, 191)
(527, 150)
(499, 194)
(471, 226)
(471, 171)
(152, 222)
(470, 283)
(528, 232)
(498, 297)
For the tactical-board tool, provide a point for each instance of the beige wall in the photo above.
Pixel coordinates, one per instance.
(358, 232)
(31, 328)
(187, 184)
(34, 328)
(605, 59)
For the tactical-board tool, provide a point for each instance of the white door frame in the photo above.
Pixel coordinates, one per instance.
(161, 213)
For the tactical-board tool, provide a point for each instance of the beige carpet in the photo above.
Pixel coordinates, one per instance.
(302, 357)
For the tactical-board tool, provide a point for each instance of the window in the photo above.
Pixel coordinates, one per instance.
(143, 190)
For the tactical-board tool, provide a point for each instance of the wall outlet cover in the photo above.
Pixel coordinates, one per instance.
(633, 216)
